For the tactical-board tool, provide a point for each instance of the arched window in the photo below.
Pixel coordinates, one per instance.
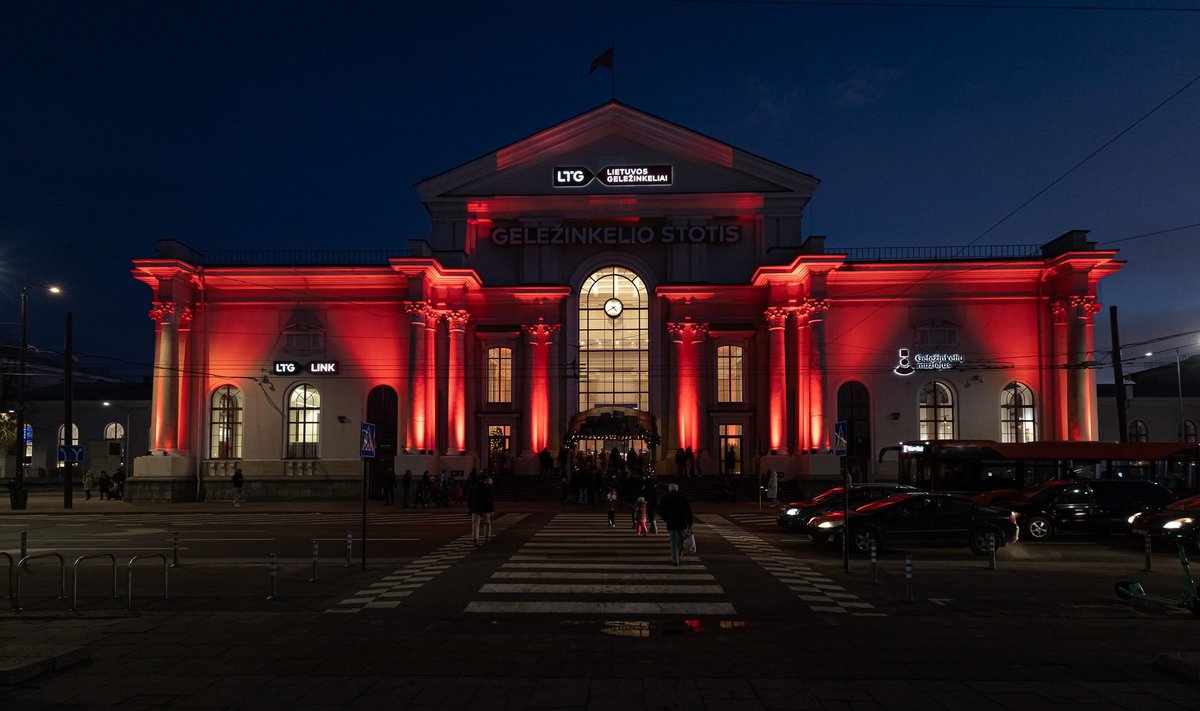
(114, 431)
(729, 374)
(74, 434)
(1139, 431)
(937, 411)
(225, 423)
(304, 422)
(1017, 419)
(614, 340)
(1189, 431)
(499, 375)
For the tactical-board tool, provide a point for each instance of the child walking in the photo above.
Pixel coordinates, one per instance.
(639, 516)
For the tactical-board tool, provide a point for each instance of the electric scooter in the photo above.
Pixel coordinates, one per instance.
(1132, 590)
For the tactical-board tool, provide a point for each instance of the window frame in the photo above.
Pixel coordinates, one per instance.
(234, 430)
(731, 374)
(303, 437)
(935, 426)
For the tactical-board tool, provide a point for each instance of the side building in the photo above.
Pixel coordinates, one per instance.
(615, 280)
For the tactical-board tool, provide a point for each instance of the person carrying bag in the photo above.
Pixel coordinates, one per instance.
(676, 512)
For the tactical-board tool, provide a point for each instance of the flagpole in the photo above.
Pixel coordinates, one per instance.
(612, 86)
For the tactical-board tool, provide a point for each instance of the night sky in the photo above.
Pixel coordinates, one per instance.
(303, 125)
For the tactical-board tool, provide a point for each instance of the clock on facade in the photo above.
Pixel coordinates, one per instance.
(613, 307)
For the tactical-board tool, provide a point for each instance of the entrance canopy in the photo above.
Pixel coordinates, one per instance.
(617, 424)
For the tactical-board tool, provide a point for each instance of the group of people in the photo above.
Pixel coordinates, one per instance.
(110, 487)
(674, 509)
(441, 491)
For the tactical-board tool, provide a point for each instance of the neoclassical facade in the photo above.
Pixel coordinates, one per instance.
(613, 280)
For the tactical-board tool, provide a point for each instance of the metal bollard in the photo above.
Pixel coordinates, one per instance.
(1149, 555)
(316, 559)
(274, 577)
(349, 548)
(874, 564)
(908, 582)
(175, 549)
(991, 551)
(24, 544)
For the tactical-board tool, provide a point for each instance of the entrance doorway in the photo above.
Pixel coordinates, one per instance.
(854, 408)
(499, 447)
(382, 411)
(729, 438)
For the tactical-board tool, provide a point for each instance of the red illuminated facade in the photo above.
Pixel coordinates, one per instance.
(611, 263)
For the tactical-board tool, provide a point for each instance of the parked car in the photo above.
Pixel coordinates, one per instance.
(1178, 521)
(796, 515)
(1098, 506)
(919, 520)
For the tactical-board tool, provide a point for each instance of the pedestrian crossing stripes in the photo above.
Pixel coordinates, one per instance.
(442, 517)
(578, 566)
(819, 592)
(759, 519)
(391, 590)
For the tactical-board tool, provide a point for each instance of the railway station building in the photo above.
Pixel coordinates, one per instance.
(615, 280)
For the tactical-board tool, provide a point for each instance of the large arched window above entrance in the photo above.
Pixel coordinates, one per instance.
(614, 340)
(304, 422)
(225, 423)
(937, 411)
(499, 374)
(1017, 418)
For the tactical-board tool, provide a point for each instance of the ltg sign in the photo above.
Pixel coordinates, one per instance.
(613, 176)
(315, 367)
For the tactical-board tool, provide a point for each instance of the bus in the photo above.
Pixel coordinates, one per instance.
(976, 466)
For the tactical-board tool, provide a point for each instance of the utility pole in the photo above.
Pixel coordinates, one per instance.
(1118, 375)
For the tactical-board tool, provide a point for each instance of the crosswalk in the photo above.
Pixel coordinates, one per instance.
(392, 589)
(434, 517)
(576, 565)
(755, 519)
(813, 588)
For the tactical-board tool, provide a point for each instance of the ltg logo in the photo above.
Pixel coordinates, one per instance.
(904, 365)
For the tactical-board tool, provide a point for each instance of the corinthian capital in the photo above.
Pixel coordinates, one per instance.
(687, 331)
(161, 312)
(456, 320)
(540, 332)
(776, 316)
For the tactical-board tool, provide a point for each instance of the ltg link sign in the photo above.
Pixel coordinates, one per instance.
(613, 176)
(316, 367)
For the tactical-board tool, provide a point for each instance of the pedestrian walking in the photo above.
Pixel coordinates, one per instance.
(423, 487)
(481, 506)
(445, 486)
(612, 506)
(639, 516)
(772, 485)
(405, 486)
(237, 480)
(89, 480)
(104, 483)
(119, 483)
(676, 512)
(389, 487)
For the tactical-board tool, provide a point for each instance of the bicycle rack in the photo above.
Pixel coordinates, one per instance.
(10, 572)
(75, 575)
(166, 569)
(62, 572)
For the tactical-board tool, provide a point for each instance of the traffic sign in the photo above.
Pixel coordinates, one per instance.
(366, 440)
(841, 431)
(70, 452)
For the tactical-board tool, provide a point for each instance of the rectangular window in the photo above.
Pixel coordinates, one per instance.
(729, 374)
(499, 375)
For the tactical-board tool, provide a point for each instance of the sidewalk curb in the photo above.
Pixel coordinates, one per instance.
(19, 664)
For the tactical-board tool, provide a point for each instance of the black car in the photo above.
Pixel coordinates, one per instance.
(920, 520)
(797, 514)
(1098, 506)
(1179, 522)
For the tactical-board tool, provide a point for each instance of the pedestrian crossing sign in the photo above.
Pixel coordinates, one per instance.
(366, 440)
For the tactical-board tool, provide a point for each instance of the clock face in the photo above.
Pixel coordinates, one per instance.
(613, 307)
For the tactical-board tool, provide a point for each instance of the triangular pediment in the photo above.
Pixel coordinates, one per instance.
(615, 135)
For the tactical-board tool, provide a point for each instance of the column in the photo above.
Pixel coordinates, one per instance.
(456, 415)
(432, 317)
(686, 335)
(1058, 410)
(184, 398)
(818, 438)
(539, 383)
(417, 416)
(1081, 380)
(164, 405)
(802, 370)
(777, 373)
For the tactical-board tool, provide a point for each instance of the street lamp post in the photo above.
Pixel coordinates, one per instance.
(17, 495)
(68, 425)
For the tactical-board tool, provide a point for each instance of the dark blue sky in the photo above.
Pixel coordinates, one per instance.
(290, 125)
